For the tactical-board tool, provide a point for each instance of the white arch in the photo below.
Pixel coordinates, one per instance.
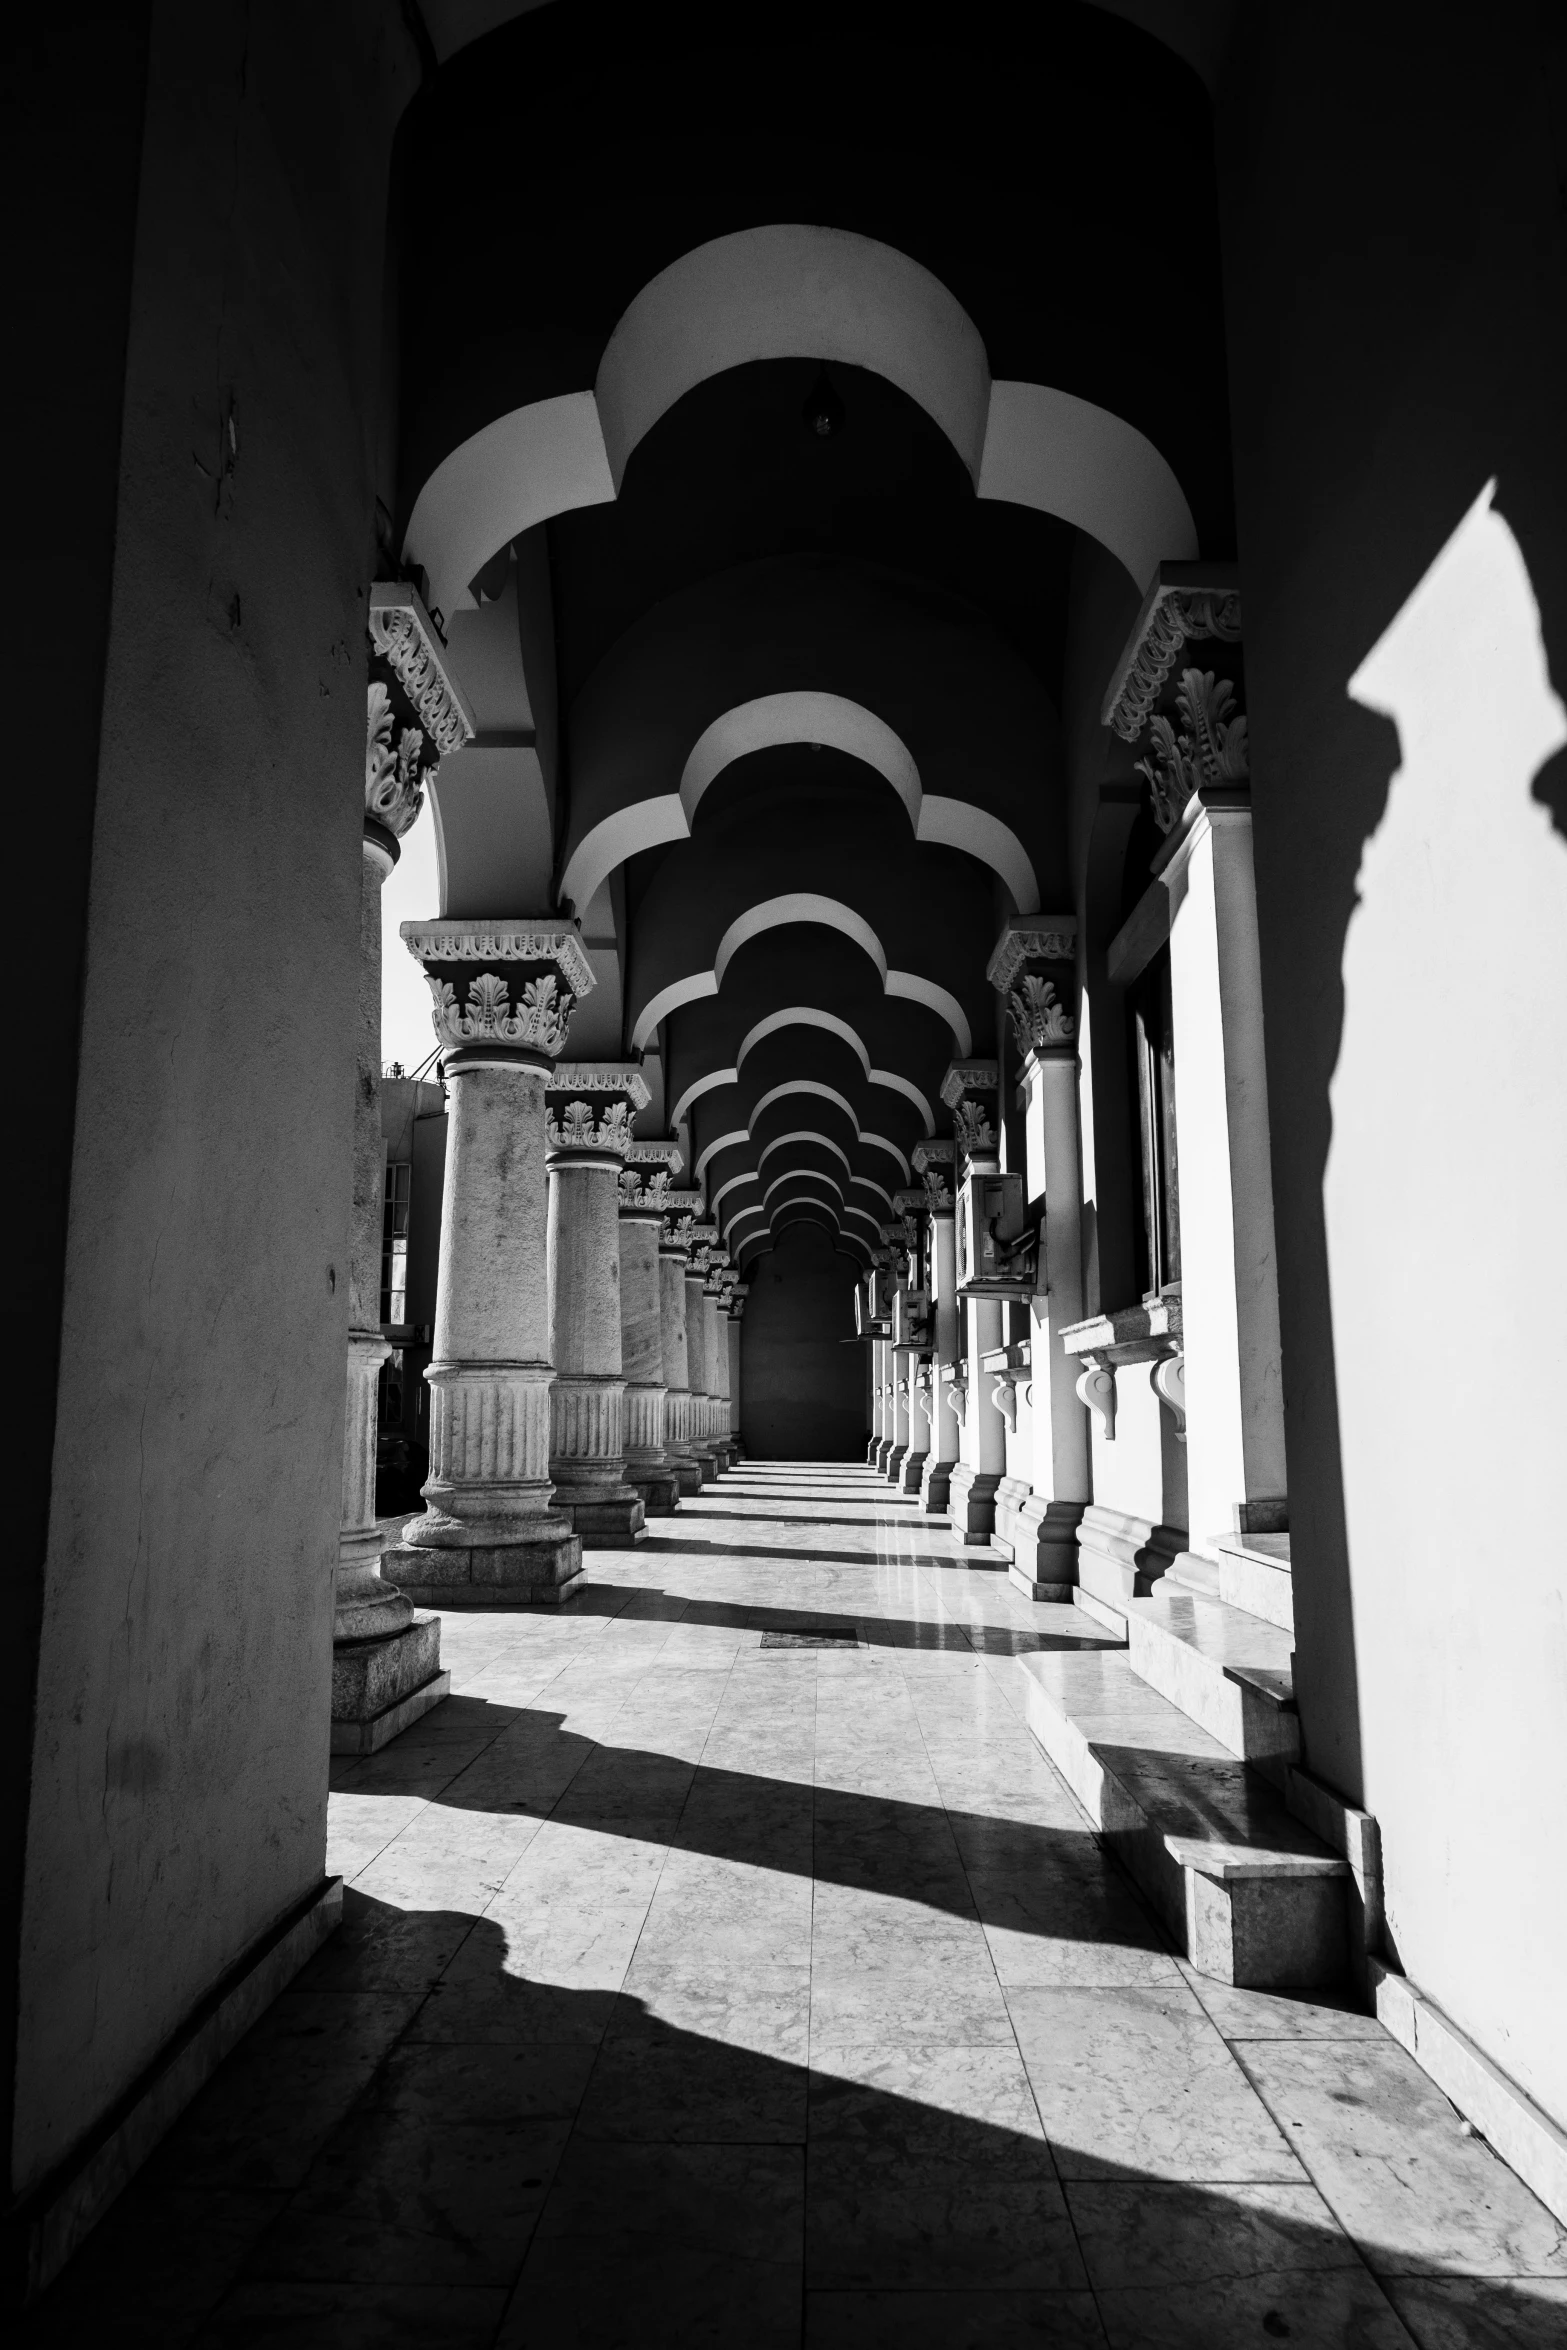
(802, 1175)
(807, 1134)
(790, 290)
(734, 1183)
(799, 718)
(875, 1222)
(723, 1143)
(786, 292)
(797, 905)
(809, 1016)
(802, 906)
(698, 1086)
(869, 1183)
(813, 1085)
(896, 1084)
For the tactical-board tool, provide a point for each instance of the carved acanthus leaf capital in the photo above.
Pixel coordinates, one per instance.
(972, 1129)
(1209, 748)
(572, 1126)
(501, 984)
(1040, 1022)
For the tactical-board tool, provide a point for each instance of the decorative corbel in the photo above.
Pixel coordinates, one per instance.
(1169, 1385)
(1096, 1388)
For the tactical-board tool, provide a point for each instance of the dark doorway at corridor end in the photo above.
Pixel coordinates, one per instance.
(802, 1389)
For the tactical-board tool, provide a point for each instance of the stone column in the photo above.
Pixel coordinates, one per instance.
(736, 1316)
(644, 1190)
(715, 1304)
(489, 1536)
(703, 1447)
(386, 1658)
(933, 1162)
(1032, 968)
(909, 1205)
(969, 1091)
(591, 1105)
(682, 1208)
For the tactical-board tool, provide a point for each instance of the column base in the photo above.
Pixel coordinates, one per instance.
(657, 1485)
(688, 1470)
(536, 1564)
(912, 1475)
(971, 1506)
(893, 1467)
(1120, 1557)
(1041, 1537)
(380, 1686)
(935, 1486)
(607, 1516)
(708, 1459)
(879, 1456)
(872, 1447)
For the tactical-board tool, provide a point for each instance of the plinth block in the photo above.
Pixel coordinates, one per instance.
(381, 1685)
(540, 1573)
(658, 1489)
(603, 1520)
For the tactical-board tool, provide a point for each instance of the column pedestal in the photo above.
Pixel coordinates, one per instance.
(704, 1450)
(683, 1462)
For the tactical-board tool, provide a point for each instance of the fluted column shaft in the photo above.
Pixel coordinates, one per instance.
(947, 1337)
(648, 1463)
(702, 1444)
(677, 1377)
(587, 1415)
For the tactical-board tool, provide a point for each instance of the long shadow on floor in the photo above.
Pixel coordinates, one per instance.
(866, 1631)
(1013, 1875)
(693, 1547)
(415, 2146)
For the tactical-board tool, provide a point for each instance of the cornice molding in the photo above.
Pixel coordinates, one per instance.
(1046, 939)
(1188, 603)
(655, 1150)
(404, 638)
(966, 1077)
(933, 1154)
(469, 943)
(621, 1078)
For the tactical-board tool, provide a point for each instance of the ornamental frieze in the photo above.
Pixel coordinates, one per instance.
(415, 711)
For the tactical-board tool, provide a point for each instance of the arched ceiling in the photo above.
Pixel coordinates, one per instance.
(775, 713)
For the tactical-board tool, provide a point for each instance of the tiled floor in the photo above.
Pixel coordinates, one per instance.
(699, 1991)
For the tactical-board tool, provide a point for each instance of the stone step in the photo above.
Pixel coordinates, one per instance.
(1248, 1892)
(1195, 1574)
(1254, 1574)
(1230, 1671)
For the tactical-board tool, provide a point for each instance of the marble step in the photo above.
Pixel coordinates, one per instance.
(1230, 1671)
(1247, 1891)
(1254, 1573)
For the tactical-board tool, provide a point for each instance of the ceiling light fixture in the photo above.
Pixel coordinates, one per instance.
(822, 414)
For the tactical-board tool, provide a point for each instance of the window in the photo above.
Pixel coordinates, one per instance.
(394, 1244)
(1153, 1052)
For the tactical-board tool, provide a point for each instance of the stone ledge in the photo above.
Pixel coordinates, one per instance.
(1509, 2121)
(47, 2227)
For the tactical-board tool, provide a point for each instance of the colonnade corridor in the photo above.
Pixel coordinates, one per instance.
(724, 1963)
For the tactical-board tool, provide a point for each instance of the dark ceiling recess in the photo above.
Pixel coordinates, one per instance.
(822, 414)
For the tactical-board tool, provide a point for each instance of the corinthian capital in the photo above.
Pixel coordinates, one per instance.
(508, 987)
(416, 712)
(592, 1104)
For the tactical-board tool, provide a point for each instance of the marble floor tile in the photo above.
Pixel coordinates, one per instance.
(1141, 2235)
(1138, 2081)
(270, 2316)
(952, 2321)
(1482, 2313)
(658, 2297)
(1388, 2152)
(1317, 2311)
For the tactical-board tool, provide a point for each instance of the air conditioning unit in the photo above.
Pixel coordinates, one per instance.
(998, 1249)
(911, 1318)
(868, 1323)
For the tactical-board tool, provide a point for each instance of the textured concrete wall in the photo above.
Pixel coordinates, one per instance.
(180, 1747)
(1397, 313)
(802, 1392)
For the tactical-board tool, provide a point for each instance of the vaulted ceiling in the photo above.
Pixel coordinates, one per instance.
(775, 712)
